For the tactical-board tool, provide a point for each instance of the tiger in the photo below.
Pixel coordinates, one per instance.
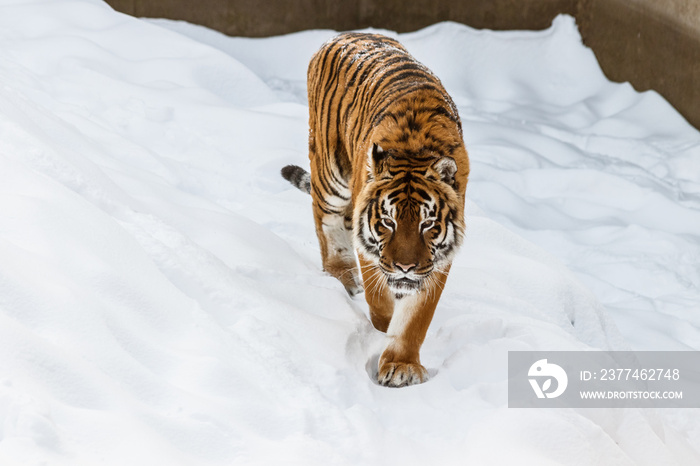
(388, 177)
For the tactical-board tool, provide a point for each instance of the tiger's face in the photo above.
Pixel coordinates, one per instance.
(408, 224)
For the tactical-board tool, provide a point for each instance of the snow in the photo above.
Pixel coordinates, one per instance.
(161, 294)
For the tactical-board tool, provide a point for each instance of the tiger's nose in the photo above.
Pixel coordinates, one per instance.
(405, 268)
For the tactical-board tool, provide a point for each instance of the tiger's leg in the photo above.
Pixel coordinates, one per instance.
(399, 364)
(334, 233)
(378, 296)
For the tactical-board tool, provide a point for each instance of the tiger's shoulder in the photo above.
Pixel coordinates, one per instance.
(378, 91)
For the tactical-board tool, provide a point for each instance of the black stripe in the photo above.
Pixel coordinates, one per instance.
(422, 193)
(380, 113)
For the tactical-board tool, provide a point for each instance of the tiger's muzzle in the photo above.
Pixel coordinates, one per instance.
(404, 282)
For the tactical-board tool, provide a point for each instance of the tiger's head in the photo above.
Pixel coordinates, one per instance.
(408, 219)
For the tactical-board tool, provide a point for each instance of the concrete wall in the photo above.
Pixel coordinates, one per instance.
(654, 44)
(256, 18)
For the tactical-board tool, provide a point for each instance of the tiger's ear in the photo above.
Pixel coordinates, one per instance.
(446, 168)
(375, 159)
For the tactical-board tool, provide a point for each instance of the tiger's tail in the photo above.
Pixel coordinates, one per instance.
(300, 178)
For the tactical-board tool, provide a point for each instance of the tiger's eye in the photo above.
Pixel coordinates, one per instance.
(427, 225)
(388, 223)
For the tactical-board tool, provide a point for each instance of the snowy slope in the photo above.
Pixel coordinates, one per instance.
(161, 298)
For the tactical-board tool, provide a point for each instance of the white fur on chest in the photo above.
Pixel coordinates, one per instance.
(404, 310)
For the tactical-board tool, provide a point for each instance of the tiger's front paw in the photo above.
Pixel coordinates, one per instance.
(401, 374)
